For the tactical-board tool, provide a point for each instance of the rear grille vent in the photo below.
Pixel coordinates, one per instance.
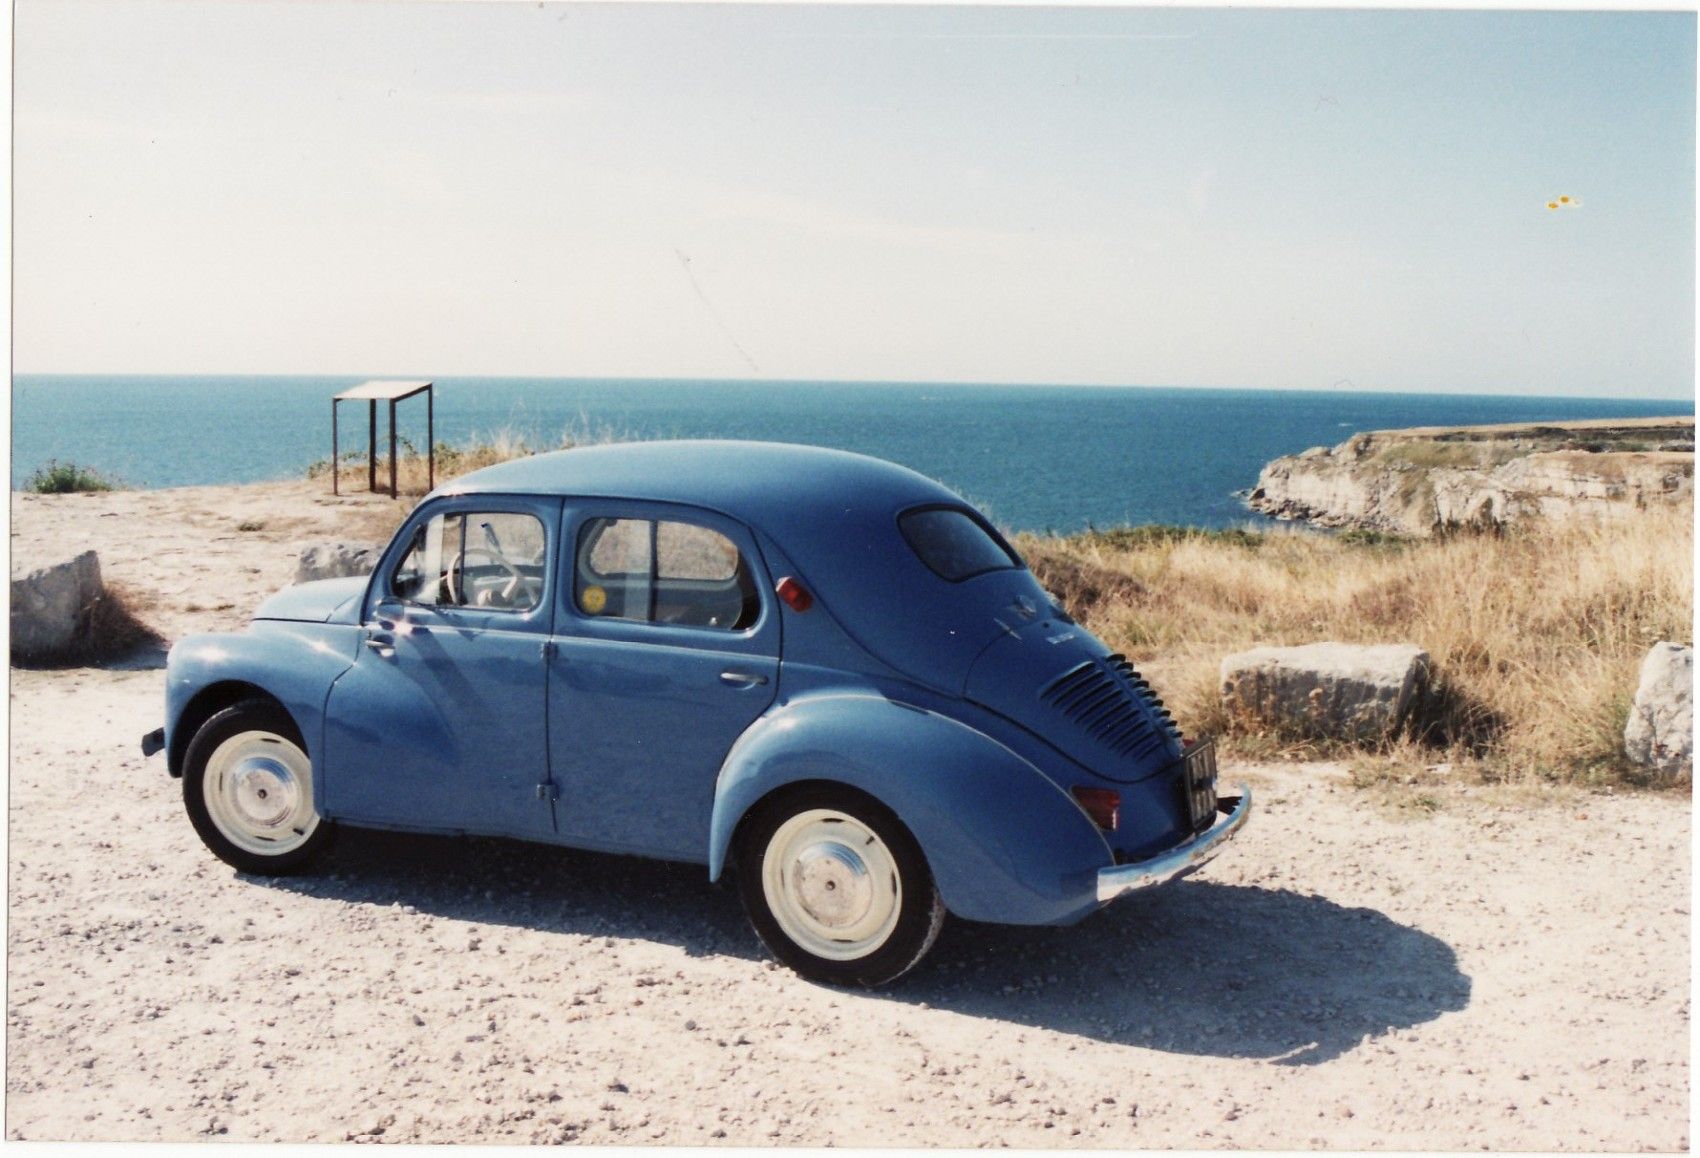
(1103, 699)
(1120, 665)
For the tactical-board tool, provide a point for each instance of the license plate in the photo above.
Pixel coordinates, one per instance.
(1198, 781)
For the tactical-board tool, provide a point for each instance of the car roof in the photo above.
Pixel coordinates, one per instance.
(768, 485)
(831, 513)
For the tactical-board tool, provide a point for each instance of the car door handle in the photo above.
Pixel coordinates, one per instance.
(742, 679)
(384, 645)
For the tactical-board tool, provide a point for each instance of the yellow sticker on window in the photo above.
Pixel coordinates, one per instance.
(593, 600)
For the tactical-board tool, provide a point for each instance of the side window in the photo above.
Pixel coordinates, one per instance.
(663, 572)
(491, 560)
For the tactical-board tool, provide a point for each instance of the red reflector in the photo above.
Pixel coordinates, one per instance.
(796, 596)
(1103, 805)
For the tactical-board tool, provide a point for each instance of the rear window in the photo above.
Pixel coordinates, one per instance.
(954, 544)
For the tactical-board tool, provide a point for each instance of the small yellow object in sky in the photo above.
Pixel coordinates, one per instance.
(593, 600)
(1565, 201)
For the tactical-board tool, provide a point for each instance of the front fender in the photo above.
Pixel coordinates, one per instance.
(1004, 843)
(294, 663)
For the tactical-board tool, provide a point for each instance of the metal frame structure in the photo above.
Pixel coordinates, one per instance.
(373, 393)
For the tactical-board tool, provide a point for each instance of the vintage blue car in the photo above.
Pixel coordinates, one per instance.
(824, 673)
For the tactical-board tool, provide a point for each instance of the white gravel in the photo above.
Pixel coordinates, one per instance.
(1502, 974)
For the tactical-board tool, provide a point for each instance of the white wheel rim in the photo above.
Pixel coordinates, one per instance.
(258, 789)
(832, 885)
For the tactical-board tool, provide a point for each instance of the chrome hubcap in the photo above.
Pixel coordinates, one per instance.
(263, 791)
(258, 789)
(832, 885)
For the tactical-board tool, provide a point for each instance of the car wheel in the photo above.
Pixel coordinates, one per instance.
(248, 787)
(836, 886)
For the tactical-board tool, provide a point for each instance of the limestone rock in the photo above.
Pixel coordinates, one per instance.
(335, 561)
(1660, 732)
(1415, 482)
(1327, 690)
(51, 604)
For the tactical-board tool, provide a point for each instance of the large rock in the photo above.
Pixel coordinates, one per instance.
(1660, 732)
(51, 605)
(1326, 690)
(1417, 482)
(335, 561)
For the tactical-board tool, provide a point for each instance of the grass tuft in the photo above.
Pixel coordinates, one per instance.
(63, 478)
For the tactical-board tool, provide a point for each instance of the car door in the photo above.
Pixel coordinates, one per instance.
(441, 722)
(667, 649)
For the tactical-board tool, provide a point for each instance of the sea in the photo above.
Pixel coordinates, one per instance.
(1039, 458)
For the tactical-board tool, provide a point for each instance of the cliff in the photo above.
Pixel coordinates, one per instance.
(1414, 482)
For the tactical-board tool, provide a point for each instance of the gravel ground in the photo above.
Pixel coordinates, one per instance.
(1502, 973)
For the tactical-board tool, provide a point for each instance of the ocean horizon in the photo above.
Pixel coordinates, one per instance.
(1039, 458)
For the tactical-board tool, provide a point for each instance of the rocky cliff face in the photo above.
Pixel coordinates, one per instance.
(1414, 482)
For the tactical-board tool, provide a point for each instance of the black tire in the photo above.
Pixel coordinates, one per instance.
(271, 735)
(804, 819)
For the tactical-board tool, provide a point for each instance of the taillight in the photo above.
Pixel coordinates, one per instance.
(796, 596)
(1103, 805)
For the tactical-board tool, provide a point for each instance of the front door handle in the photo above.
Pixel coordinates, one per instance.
(742, 679)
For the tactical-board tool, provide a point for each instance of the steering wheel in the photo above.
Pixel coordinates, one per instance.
(452, 579)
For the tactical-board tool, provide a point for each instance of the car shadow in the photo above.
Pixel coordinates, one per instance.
(1192, 968)
(1203, 968)
(149, 655)
(493, 881)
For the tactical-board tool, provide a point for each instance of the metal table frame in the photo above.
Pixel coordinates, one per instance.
(373, 393)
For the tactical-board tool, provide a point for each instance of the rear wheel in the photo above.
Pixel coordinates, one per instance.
(837, 887)
(248, 789)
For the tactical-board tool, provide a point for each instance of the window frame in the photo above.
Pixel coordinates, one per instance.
(545, 509)
(760, 637)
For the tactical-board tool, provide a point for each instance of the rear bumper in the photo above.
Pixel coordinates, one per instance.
(1125, 878)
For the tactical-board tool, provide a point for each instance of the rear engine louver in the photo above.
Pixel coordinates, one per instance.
(1114, 705)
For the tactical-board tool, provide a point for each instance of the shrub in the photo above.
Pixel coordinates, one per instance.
(63, 478)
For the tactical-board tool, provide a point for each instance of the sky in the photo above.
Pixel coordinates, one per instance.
(1345, 199)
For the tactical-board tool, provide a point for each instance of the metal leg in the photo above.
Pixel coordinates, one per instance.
(430, 440)
(333, 449)
(372, 445)
(393, 492)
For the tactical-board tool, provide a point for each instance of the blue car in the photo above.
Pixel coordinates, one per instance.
(824, 674)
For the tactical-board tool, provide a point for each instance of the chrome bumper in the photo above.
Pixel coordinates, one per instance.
(1124, 878)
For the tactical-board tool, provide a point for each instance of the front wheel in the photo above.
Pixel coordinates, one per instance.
(837, 887)
(248, 788)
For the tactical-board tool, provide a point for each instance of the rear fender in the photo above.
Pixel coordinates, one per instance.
(1004, 843)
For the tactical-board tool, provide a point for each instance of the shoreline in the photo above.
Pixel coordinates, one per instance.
(1039, 457)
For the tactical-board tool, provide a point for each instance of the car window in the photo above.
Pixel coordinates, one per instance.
(492, 560)
(663, 571)
(953, 544)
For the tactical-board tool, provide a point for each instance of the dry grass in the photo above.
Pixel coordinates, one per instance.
(412, 468)
(1536, 634)
(1470, 455)
(111, 628)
